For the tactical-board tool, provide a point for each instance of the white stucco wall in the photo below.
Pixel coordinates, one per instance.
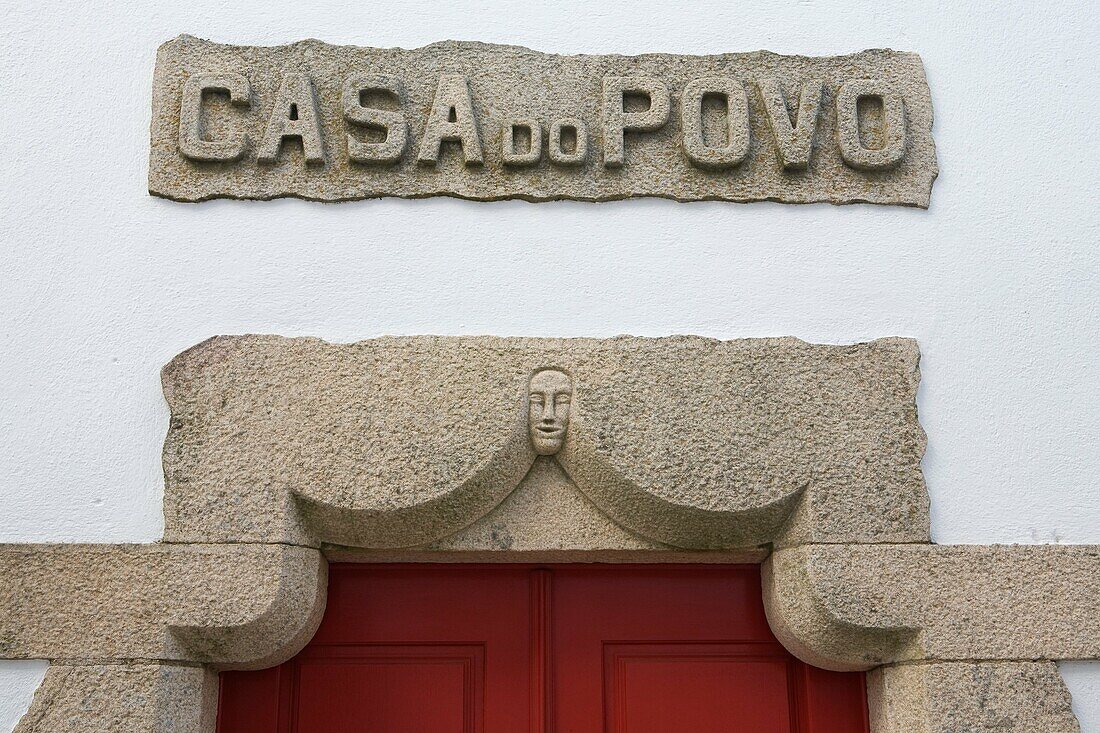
(101, 284)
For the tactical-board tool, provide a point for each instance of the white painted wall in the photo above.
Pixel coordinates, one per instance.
(101, 284)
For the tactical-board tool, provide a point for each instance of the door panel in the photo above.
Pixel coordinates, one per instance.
(656, 688)
(416, 615)
(546, 649)
(381, 689)
(644, 625)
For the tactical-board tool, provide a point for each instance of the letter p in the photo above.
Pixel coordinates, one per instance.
(617, 120)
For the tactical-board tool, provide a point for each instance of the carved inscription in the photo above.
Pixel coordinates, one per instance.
(493, 122)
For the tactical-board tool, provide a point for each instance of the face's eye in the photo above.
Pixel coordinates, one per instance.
(563, 399)
(536, 399)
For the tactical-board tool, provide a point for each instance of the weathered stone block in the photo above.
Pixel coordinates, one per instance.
(237, 606)
(123, 698)
(1007, 697)
(686, 441)
(470, 119)
(855, 607)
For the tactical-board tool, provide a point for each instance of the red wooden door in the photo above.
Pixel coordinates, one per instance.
(546, 649)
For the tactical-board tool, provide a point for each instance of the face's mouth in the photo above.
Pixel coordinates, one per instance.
(550, 431)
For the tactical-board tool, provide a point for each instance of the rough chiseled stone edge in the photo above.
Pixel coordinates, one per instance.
(810, 522)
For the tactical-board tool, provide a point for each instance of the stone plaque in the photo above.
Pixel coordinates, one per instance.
(479, 121)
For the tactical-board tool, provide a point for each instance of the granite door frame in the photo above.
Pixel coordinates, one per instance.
(954, 638)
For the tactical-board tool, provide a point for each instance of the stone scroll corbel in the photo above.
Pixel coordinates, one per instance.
(263, 628)
(814, 623)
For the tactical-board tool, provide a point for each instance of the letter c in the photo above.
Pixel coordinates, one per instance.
(191, 142)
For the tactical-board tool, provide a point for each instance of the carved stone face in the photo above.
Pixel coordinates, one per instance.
(548, 396)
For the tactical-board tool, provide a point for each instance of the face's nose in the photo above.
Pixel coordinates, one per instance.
(548, 414)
